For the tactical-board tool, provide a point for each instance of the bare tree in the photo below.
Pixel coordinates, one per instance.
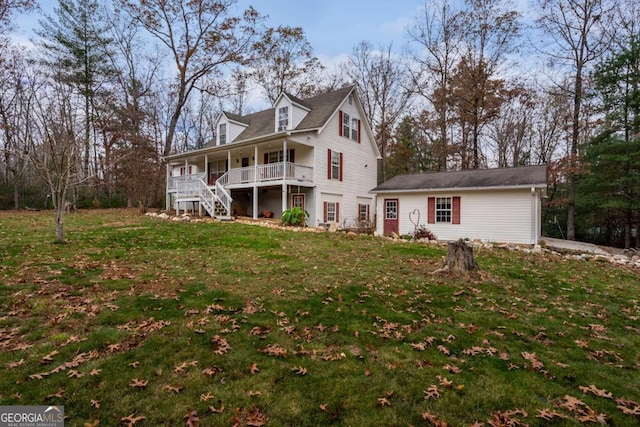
(130, 149)
(437, 33)
(12, 166)
(285, 63)
(10, 7)
(579, 31)
(511, 131)
(551, 119)
(491, 31)
(54, 146)
(385, 89)
(202, 37)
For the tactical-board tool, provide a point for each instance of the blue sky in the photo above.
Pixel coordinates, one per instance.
(333, 27)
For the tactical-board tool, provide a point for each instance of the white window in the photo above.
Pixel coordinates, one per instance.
(391, 209)
(222, 134)
(363, 212)
(346, 121)
(274, 157)
(335, 165)
(443, 209)
(331, 212)
(297, 200)
(354, 129)
(283, 118)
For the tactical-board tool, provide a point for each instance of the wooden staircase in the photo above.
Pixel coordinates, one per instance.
(216, 202)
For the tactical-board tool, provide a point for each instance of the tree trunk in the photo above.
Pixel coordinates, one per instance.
(460, 257)
(59, 214)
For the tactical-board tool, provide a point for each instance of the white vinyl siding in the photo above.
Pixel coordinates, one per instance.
(491, 215)
(359, 167)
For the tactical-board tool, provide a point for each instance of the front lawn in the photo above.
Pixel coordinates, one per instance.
(138, 321)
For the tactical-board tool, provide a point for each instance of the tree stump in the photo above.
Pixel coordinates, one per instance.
(459, 258)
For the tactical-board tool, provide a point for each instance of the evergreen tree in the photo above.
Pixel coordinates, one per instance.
(611, 190)
(75, 47)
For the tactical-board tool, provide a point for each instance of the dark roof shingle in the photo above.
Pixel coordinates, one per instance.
(322, 107)
(470, 178)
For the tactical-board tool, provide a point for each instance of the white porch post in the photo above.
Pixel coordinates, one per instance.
(255, 202)
(168, 195)
(284, 176)
(255, 164)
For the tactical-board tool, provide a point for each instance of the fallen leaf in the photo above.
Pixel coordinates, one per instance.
(220, 345)
(12, 365)
(191, 419)
(48, 358)
(58, 394)
(38, 376)
(95, 372)
(211, 371)
(549, 415)
(254, 369)
(205, 397)
(300, 370)
(75, 374)
(172, 388)
(452, 369)
(431, 393)
(95, 404)
(433, 420)
(444, 382)
(131, 420)
(138, 383)
(383, 401)
(598, 392)
(218, 410)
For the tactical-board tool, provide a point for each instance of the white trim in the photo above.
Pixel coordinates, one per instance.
(450, 189)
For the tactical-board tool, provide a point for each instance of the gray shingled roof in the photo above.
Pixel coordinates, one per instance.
(262, 123)
(523, 176)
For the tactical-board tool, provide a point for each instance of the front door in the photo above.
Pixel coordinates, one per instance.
(390, 216)
(297, 200)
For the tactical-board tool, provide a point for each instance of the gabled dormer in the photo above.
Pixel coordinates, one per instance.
(228, 127)
(289, 112)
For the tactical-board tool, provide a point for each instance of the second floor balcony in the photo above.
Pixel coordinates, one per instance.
(250, 175)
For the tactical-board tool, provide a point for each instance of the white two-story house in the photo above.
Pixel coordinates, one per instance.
(318, 153)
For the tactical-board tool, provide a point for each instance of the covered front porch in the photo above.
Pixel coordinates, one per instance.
(241, 179)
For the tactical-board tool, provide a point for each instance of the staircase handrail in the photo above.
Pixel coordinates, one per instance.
(223, 196)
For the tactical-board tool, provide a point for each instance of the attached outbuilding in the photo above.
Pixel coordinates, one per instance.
(497, 205)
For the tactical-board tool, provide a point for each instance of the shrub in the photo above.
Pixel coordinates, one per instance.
(294, 217)
(423, 232)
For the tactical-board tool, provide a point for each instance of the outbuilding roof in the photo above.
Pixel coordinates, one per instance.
(523, 176)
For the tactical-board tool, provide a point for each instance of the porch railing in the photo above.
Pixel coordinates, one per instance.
(173, 181)
(265, 173)
(223, 197)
